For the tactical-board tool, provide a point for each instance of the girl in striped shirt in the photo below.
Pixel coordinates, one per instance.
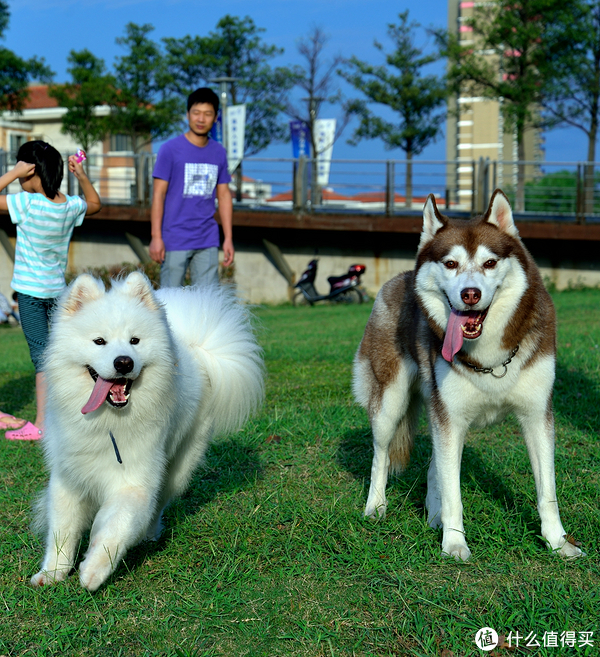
(45, 219)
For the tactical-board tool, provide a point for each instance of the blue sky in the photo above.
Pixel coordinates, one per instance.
(51, 28)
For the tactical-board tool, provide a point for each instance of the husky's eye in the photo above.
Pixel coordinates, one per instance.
(451, 264)
(100, 341)
(490, 264)
(134, 341)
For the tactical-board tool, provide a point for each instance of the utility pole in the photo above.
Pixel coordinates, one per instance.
(223, 81)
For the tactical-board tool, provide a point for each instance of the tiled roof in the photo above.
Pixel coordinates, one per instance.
(39, 98)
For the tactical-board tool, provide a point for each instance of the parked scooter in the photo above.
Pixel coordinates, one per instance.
(342, 289)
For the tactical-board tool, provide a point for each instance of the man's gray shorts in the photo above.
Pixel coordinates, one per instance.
(203, 264)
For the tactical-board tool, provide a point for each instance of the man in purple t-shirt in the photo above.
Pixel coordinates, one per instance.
(190, 172)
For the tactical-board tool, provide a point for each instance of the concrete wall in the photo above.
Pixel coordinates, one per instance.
(99, 243)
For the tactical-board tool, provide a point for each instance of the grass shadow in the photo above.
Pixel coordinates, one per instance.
(576, 398)
(355, 453)
(17, 393)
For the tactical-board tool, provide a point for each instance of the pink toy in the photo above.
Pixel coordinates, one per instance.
(80, 156)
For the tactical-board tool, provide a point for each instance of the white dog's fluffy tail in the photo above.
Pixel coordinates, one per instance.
(216, 328)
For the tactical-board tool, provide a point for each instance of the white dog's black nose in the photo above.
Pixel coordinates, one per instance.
(123, 364)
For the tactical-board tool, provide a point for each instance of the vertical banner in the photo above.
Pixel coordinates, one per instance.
(300, 133)
(324, 138)
(216, 132)
(236, 128)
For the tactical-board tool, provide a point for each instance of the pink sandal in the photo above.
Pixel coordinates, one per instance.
(8, 421)
(27, 432)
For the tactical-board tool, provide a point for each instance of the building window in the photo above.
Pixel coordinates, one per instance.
(16, 141)
(121, 143)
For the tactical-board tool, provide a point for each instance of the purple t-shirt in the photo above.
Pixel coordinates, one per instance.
(193, 174)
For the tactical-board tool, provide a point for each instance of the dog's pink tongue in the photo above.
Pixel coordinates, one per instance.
(98, 396)
(453, 340)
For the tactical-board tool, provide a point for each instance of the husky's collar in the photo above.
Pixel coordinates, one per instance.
(490, 370)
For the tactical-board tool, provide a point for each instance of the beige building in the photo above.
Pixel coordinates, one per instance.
(476, 132)
(110, 163)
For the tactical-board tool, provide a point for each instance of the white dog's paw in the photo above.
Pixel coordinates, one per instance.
(45, 577)
(94, 571)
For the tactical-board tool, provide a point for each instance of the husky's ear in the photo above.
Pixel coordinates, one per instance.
(432, 221)
(137, 285)
(500, 214)
(83, 289)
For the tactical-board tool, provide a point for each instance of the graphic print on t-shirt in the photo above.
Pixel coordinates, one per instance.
(200, 179)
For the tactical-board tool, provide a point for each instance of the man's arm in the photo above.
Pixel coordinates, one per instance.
(226, 216)
(157, 246)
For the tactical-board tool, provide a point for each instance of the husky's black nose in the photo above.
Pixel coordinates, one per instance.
(470, 295)
(123, 364)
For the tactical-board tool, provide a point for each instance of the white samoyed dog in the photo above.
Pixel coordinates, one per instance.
(138, 383)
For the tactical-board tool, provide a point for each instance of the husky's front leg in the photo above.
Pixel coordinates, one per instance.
(538, 429)
(64, 515)
(120, 523)
(443, 486)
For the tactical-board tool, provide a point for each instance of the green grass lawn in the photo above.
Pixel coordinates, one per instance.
(268, 553)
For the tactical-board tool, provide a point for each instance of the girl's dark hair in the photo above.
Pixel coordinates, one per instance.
(48, 164)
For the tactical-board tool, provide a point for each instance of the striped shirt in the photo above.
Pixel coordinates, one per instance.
(44, 231)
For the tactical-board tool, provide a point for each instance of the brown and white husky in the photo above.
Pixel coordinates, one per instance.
(472, 332)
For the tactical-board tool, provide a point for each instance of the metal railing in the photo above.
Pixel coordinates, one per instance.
(560, 190)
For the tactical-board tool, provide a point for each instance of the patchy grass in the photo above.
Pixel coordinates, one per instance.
(268, 553)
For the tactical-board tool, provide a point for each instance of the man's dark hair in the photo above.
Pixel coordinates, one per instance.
(48, 164)
(203, 95)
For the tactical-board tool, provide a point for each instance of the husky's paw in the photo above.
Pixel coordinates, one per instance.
(375, 512)
(456, 546)
(570, 550)
(45, 577)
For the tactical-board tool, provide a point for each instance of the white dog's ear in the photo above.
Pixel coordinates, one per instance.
(83, 289)
(432, 221)
(500, 214)
(137, 285)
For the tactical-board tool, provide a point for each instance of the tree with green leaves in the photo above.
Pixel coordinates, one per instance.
(416, 99)
(319, 86)
(142, 109)
(515, 49)
(235, 49)
(90, 88)
(572, 97)
(141, 106)
(16, 73)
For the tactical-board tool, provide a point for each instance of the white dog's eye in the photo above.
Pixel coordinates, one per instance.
(100, 341)
(134, 341)
(490, 264)
(451, 264)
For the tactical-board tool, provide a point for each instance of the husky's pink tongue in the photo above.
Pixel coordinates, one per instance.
(98, 396)
(453, 340)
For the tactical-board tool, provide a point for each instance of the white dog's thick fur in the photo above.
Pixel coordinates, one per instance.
(182, 365)
(471, 332)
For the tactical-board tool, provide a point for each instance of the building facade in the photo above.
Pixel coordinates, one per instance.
(476, 132)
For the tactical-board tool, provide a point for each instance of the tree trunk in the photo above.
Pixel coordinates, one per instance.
(520, 195)
(409, 186)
